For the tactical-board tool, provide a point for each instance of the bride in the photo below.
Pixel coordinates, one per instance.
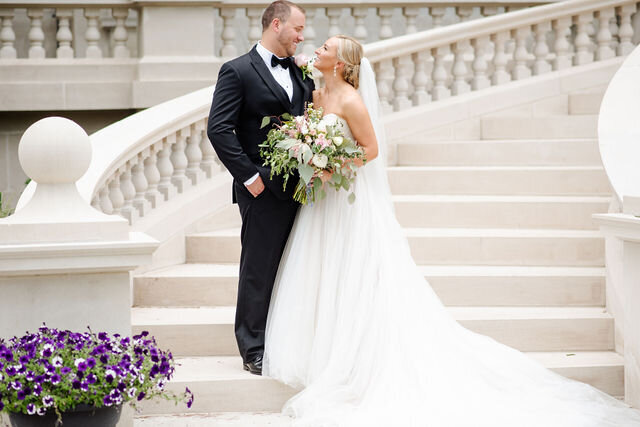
(353, 322)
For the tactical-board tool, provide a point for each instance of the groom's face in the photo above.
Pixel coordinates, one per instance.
(291, 32)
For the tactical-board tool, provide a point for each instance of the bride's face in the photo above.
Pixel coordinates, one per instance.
(327, 55)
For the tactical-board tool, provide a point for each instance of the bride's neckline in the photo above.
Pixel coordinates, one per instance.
(334, 114)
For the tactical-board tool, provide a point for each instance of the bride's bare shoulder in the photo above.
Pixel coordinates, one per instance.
(352, 104)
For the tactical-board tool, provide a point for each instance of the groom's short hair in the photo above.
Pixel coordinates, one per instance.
(280, 9)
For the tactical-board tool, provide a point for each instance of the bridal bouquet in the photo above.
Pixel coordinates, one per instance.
(312, 147)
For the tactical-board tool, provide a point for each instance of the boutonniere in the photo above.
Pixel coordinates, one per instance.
(305, 63)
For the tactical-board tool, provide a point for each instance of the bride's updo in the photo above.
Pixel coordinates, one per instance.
(350, 52)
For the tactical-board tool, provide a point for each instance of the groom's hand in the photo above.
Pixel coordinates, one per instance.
(256, 187)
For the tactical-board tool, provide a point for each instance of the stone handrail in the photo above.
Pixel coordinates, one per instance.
(37, 29)
(432, 65)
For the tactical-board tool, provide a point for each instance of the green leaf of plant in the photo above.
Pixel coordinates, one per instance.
(287, 116)
(336, 178)
(265, 121)
(306, 172)
(352, 198)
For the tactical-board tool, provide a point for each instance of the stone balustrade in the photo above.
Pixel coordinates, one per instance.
(433, 65)
(109, 29)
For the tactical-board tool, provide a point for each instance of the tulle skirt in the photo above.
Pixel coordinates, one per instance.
(354, 325)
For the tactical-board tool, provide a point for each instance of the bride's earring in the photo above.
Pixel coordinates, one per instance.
(334, 70)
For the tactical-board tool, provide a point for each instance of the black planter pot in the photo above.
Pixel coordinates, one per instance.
(80, 416)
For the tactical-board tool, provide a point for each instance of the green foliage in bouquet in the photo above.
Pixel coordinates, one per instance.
(311, 146)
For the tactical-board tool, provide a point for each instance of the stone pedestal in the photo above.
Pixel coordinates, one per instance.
(626, 227)
(61, 261)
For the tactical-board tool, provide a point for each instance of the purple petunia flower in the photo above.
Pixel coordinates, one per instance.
(91, 379)
(57, 361)
(76, 384)
(65, 370)
(109, 375)
(104, 359)
(47, 351)
(189, 393)
(1, 405)
(47, 401)
(55, 379)
(37, 389)
(24, 359)
(81, 364)
(91, 362)
(16, 385)
(41, 412)
(11, 371)
(141, 396)
(31, 409)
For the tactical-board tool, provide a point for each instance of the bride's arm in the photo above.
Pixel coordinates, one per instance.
(357, 117)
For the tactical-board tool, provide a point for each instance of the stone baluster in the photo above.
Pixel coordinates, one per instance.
(437, 14)
(582, 42)
(36, 35)
(309, 33)
(165, 167)
(385, 14)
(115, 194)
(489, 10)
(400, 86)
(439, 74)
(411, 13)
(603, 37)
(420, 79)
(561, 45)
(464, 12)
(459, 70)
(104, 203)
(194, 154)
(228, 32)
(152, 173)
(120, 35)
(480, 65)
(255, 25)
(384, 71)
(64, 36)
(7, 35)
(615, 31)
(626, 29)
(179, 161)
(500, 59)
(541, 49)
(360, 31)
(521, 55)
(128, 211)
(208, 164)
(92, 35)
(333, 13)
(140, 184)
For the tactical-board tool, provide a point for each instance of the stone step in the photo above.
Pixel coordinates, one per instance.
(550, 127)
(208, 331)
(225, 419)
(450, 246)
(499, 180)
(571, 212)
(489, 211)
(221, 386)
(587, 102)
(195, 285)
(519, 152)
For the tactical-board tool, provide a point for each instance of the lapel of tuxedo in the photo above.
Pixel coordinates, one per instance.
(267, 78)
(296, 77)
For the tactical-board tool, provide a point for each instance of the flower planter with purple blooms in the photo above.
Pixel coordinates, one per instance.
(55, 377)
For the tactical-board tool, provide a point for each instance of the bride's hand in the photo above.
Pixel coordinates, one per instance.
(325, 176)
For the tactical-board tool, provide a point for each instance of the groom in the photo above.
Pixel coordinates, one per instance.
(263, 82)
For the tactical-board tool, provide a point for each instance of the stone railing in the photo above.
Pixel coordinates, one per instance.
(433, 65)
(146, 160)
(36, 29)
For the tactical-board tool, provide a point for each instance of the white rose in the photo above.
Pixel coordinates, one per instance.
(322, 126)
(320, 160)
(338, 140)
(304, 130)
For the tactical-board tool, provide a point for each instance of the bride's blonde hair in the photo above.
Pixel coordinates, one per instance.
(350, 52)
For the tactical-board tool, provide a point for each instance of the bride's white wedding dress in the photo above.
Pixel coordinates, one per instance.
(355, 324)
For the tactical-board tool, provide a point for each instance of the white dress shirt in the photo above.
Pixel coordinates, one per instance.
(281, 75)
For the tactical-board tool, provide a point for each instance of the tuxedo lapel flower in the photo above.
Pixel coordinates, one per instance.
(305, 64)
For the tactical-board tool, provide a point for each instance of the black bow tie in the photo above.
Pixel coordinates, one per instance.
(284, 62)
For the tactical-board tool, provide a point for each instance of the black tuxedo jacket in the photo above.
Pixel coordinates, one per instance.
(246, 92)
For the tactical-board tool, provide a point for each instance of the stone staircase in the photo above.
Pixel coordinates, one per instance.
(501, 227)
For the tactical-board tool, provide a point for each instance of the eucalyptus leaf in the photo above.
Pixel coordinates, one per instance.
(306, 172)
(265, 121)
(321, 194)
(336, 179)
(287, 116)
(352, 198)
(307, 154)
(286, 144)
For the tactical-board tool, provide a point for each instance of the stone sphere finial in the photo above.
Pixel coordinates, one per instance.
(54, 150)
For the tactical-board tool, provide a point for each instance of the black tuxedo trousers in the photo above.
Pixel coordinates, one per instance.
(245, 93)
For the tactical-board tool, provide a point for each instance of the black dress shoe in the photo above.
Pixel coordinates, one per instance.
(254, 366)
